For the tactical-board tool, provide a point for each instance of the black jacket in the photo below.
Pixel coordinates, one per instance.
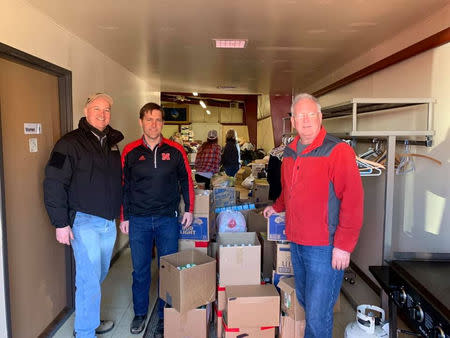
(81, 175)
(230, 156)
(152, 179)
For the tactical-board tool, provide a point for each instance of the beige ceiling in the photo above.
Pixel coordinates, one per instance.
(290, 42)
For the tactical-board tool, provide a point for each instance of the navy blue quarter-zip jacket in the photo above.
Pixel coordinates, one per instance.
(152, 179)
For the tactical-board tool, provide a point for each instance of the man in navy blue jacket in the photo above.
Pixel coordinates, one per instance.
(154, 170)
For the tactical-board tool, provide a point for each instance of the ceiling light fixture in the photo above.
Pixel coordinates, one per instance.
(195, 93)
(230, 43)
(202, 104)
(208, 112)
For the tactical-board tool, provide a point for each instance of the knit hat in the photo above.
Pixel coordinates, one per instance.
(212, 134)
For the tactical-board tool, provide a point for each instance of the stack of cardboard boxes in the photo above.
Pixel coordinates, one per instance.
(244, 304)
(202, 230)
(239, 285)
(187, 284)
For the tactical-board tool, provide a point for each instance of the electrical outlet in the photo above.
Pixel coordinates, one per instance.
(32, 142)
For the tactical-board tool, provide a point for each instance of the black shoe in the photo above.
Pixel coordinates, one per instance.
(138, 324)
(105, 326)
(159, 332)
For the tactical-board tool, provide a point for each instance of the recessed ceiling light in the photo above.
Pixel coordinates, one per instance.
(230, 43)
(208, 112)
(202, 104)
(195, 93)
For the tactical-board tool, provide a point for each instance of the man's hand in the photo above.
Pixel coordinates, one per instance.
(268, 211)
(124, 227)
(64, 235)
(340, 259)
(187, 220)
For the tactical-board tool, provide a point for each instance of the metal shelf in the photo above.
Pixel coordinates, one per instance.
(369, 105)
(359, 106)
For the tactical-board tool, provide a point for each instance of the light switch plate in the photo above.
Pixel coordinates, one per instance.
(32, 142)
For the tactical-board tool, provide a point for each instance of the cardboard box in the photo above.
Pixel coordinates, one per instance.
(242, 193)
(290, 328)
(187, 289)
(260, 192)
(203, 202)
(224, 197)
(201, 229)
(289, 302)
(276, 278)
(239, 265)
(288, 299)
(256, 168)
(221, 298)
(218, 321)
(256, 222)
(186, 244)
(203, 225)
(267, 250)
(242, 174)
(258, 332)
(276, 228)
(192, 324)
(282, 259)
(252, 306)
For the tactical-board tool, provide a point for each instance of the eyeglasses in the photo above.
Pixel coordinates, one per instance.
(311, 115)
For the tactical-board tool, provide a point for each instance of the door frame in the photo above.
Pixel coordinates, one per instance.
(64, 77)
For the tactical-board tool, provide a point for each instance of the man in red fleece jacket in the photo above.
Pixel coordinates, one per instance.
(322, 195)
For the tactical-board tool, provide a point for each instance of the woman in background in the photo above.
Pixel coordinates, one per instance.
(207, 161)
(231, 154)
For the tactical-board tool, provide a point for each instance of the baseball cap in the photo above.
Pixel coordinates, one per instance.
(98, 95)
(212, 134)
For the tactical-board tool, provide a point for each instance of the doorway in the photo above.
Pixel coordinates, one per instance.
(38, 278)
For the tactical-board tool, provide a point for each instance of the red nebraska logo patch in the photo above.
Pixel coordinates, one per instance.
(142, 158)
(166, 156)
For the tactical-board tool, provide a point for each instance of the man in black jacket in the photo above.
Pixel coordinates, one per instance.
(82, 195)
(155, 169)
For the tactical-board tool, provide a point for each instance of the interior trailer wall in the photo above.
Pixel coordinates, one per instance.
(421, 220)
(25, 28)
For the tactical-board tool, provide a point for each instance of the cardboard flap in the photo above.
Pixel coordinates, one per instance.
(287, 284)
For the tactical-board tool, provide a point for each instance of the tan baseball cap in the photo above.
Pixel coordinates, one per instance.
(98, 95)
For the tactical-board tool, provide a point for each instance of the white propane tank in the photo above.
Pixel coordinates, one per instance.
(367, 325)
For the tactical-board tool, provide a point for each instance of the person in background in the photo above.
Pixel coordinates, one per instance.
(154, 171)
(322, 195)
(207, 161)
(231, 153)
(82, 195)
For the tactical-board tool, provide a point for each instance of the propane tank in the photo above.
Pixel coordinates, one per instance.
(368, 324)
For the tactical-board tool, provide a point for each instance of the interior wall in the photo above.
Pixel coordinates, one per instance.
(422, 198)
(25, 28)
(264, 125)
(265, 134)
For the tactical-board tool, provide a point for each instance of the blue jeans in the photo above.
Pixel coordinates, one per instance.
(317, 287)
(93, 243)
(143, 231)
